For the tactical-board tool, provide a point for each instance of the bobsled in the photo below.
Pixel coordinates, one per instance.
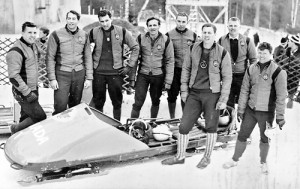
(81, 136)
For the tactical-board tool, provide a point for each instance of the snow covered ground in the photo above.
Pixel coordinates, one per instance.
(284, 158)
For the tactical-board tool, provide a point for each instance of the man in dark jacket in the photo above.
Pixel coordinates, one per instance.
(109, 66)
(205, 85)
(279, 51)
(69, 63)
(22, 63)
(262, 96)
(156, 68)
(181, 38)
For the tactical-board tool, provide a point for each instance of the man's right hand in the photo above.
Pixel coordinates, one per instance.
(54, 84)
(31, 97)
(184, 96)
(240, 117)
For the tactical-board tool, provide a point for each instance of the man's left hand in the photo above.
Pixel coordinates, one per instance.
(87, 83)
(220, 106)
(124, 71)
(167, 87)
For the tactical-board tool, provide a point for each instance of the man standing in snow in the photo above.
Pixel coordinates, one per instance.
(205, 85)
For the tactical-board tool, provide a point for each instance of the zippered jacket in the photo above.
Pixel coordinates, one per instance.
(219, 70)
(245, 51)
(69, 52)
(22, 64)
(181, 40)
(261, 93)
(156, 58)
(96, 36)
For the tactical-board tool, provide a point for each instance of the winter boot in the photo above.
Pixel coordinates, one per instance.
(117, 113)
(172, 107)
(181, 148)
(23, 125)
(154, 111)
(135, 113)
(210, 144)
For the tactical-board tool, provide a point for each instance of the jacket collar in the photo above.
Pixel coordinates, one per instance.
(212, 47)
(181, 32)
(148, 35)
(109, 30)
(25, 42)
(72, 32)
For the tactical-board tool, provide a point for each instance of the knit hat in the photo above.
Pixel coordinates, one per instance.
(284, 39)
(295, 39)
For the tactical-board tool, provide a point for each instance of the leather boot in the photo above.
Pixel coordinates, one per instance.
(135, 113)
(117, 114)
(154, 111)
(182, 143)
(172, 107)
(210, 144)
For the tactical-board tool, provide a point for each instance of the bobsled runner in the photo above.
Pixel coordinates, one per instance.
(76, 140)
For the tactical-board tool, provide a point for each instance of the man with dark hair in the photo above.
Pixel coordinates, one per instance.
(156, 67)
(281, 49)
(41, 43)
(109, 66)
(205, 85)
(69, 63)
(22, 73)
(181, 38)
(242, 52)
(262, 95)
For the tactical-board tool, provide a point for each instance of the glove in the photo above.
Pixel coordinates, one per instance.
(124, 71)
(240, 117)
(31, 97)
(166, 87)
(280, 123)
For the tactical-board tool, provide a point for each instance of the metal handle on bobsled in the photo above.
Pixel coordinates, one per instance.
(16, 166)
(2, 146)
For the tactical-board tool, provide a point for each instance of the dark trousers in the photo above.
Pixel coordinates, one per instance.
(237, 81)
(175, 87)
(70, 89)
(252, 117)
(141, 87)
(31, 110)
(114, 85)
(196, 103)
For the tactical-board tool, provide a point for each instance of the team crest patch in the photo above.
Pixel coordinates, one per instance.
(265, 76)
(80, 39)
(117, 36)
(216, 63)
(159, 47)
(203, 64)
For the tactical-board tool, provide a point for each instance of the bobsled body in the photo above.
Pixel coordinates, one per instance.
(79, 134)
